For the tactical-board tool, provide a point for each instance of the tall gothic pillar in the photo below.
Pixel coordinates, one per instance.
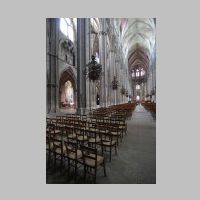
(93, 92)
(52, 53)
(120, 83)
(82, 58)
(107, 75)
(88, 58)
(149, 81)
(154, 73)
(117, 76)
(48, 80)
(102, 56)
(108, 81)
(112, 73)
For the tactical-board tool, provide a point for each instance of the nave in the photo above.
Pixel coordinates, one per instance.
(100, 100)
(135, 162)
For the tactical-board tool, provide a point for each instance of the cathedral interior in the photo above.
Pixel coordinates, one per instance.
(101, 100)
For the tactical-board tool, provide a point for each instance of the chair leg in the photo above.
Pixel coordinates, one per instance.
(61, 164)
(102, 150)
(104, 168)
(75, 170)
(49, 159)
(68, 166)
(54, 160)
(95, 175)
(84, 173)
(110, 152)
(115, 149)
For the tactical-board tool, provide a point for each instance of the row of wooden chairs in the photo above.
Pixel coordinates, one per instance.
(92, 123)
(122, 110)
(75, 148)
(84, 140)
(150, 106)
(92, 137)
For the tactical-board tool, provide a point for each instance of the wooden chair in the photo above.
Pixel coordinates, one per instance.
(73, 155)
(70, 134)
(81, 136)
(93, 138)
(48, 120)
(91, 161)
(58, 122)
(49, 148)
(58, 150)
(84, 118)
(115, 132)
(108, 143)
(82, 124)
(123, 126)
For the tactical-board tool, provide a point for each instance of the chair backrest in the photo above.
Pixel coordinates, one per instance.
(84, 117)
(50, 126)
(102, 126)
(48, 120)
(89, 153)
(91, 134)
(91, 124)
(79, 131)
(59, 118)
(71, 148)
(53, 121)
(51, 130)
(93, 120)
(82, 124)
(57, 144)
(106, 137)
(69, 132)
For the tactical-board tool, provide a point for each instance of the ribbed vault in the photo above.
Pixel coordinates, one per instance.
(138, 40)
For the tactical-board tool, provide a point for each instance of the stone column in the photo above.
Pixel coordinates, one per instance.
(145, 90)
(48, 80)
(82, 38)
(112, 72)
(108, 83)
(53, 82)
(117, 76)
(124, 85)
(92, 83)
(88, 58)
(142, 91)
(92, 94)
(120, 83)
(115, 91)
(102, 58)
(149, 82)
(154, 73)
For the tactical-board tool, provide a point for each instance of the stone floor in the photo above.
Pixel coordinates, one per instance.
(136, 159)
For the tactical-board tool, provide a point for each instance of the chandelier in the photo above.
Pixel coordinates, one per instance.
(93, 69)
(126, 93)
(123, 90)
(114, 83)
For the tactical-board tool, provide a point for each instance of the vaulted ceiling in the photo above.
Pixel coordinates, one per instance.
(137, 36)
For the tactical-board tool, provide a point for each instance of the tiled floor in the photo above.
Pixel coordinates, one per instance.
(136, 159)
